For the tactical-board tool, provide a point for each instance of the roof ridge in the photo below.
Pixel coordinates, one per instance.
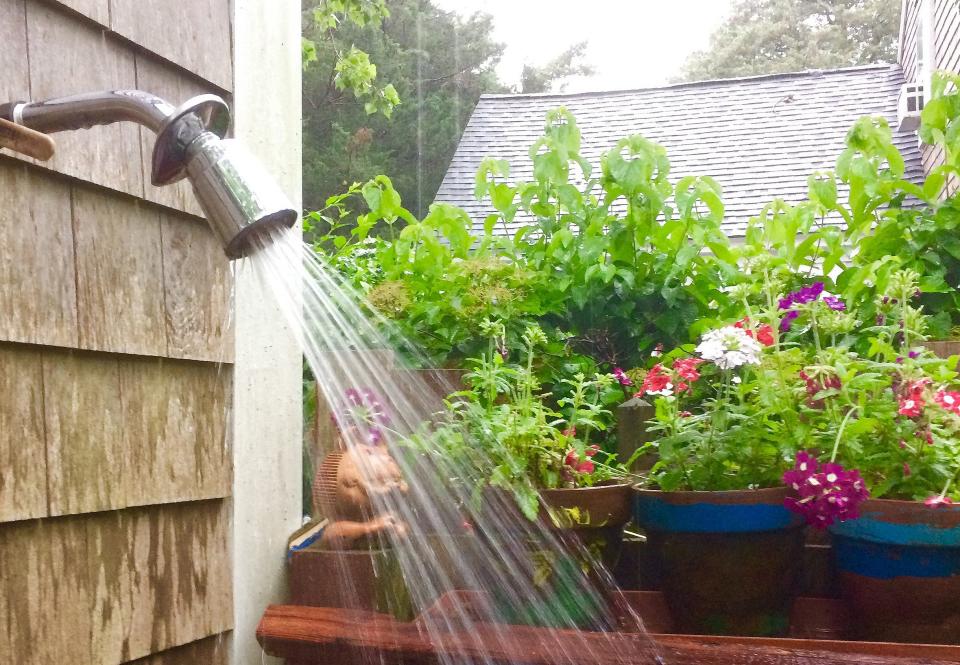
(692, 84)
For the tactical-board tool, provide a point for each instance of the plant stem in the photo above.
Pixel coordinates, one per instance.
(843, 424)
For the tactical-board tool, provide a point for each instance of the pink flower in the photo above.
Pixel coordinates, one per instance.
(686, 368)
(622, 377)
(937, 501)
(685, 414)
(949, 400)
(906, 470)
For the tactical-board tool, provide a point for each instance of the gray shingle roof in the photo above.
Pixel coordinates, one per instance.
(760, 137)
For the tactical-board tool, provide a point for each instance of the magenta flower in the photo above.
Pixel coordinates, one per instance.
(825, 494)
(937, 501)
(622, 377)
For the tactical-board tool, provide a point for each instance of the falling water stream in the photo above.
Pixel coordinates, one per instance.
(438, 543)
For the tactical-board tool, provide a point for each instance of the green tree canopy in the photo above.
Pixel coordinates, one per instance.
(773, 36)
(438, 63)
(388, 88)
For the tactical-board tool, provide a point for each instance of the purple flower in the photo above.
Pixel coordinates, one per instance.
(363, 412)
(913, 354)
(787, 320)
(786, 303)
(807, 294)
(622, 377)
(825, 494)
(835, 303)
(880, 319)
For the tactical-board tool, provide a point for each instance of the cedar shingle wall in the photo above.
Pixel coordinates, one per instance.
(115, 354)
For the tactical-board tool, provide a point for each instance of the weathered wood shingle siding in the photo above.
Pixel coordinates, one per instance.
(115, 354)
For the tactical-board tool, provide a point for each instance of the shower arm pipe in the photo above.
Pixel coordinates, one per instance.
(242, 204)
(89, 110)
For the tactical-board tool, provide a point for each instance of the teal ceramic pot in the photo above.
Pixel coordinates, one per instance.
(899, 569)
(727, 562)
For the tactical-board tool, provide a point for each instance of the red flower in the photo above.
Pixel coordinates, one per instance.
(581, 465)
(763, 334)
(906, 470)
(911, 406)
(686, 368)
(682, 386)
(937, 501)
(949, 400)
(685, 414)
(815, 385)
(655, 382)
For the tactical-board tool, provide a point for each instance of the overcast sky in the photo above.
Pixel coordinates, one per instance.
(631, 43)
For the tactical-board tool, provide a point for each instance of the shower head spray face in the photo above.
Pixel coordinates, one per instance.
(240, 200)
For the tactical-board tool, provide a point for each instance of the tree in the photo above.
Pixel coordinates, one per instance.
(439, 64)
(550, 77)
(773, 36)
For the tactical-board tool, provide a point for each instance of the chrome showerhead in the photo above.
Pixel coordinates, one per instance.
(241, 202)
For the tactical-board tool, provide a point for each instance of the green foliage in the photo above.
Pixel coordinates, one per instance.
(774, 36)
(609, 266)
(352, 68)
(436, 62)
(503, 433)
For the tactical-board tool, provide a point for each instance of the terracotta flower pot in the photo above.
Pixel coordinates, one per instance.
(728, 562)
(899, 566)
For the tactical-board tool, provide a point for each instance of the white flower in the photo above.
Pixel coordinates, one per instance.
(729, 347)
(735, 379)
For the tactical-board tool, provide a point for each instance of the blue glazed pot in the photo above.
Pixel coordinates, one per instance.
(899, 567)
(727, 561)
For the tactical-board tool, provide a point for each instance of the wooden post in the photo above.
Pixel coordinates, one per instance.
(632, 417)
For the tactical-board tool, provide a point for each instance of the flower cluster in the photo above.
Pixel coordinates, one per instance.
(729, 347)
(763, 333)
(656, 382)
(805, 296)
(362, 416)
(662, 381)
(574, 463)
(825, 494)
(817, 382)
(622, 377)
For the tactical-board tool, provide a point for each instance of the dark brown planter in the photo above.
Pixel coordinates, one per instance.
(727, 562)
(605, 509)
(899, 567)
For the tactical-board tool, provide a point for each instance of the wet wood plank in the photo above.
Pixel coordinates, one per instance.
(137, 432)
(38, 297)
(198, 287)
(15, 82)
(210, 651)
(174, 416)
(44, 568)
(23, 469)
(176, 87)
(115, 586)
(195, 35)
(178, 586)
(326, 635)
(96, 10)
(103, 155)
(119, 274)
(87, 456)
